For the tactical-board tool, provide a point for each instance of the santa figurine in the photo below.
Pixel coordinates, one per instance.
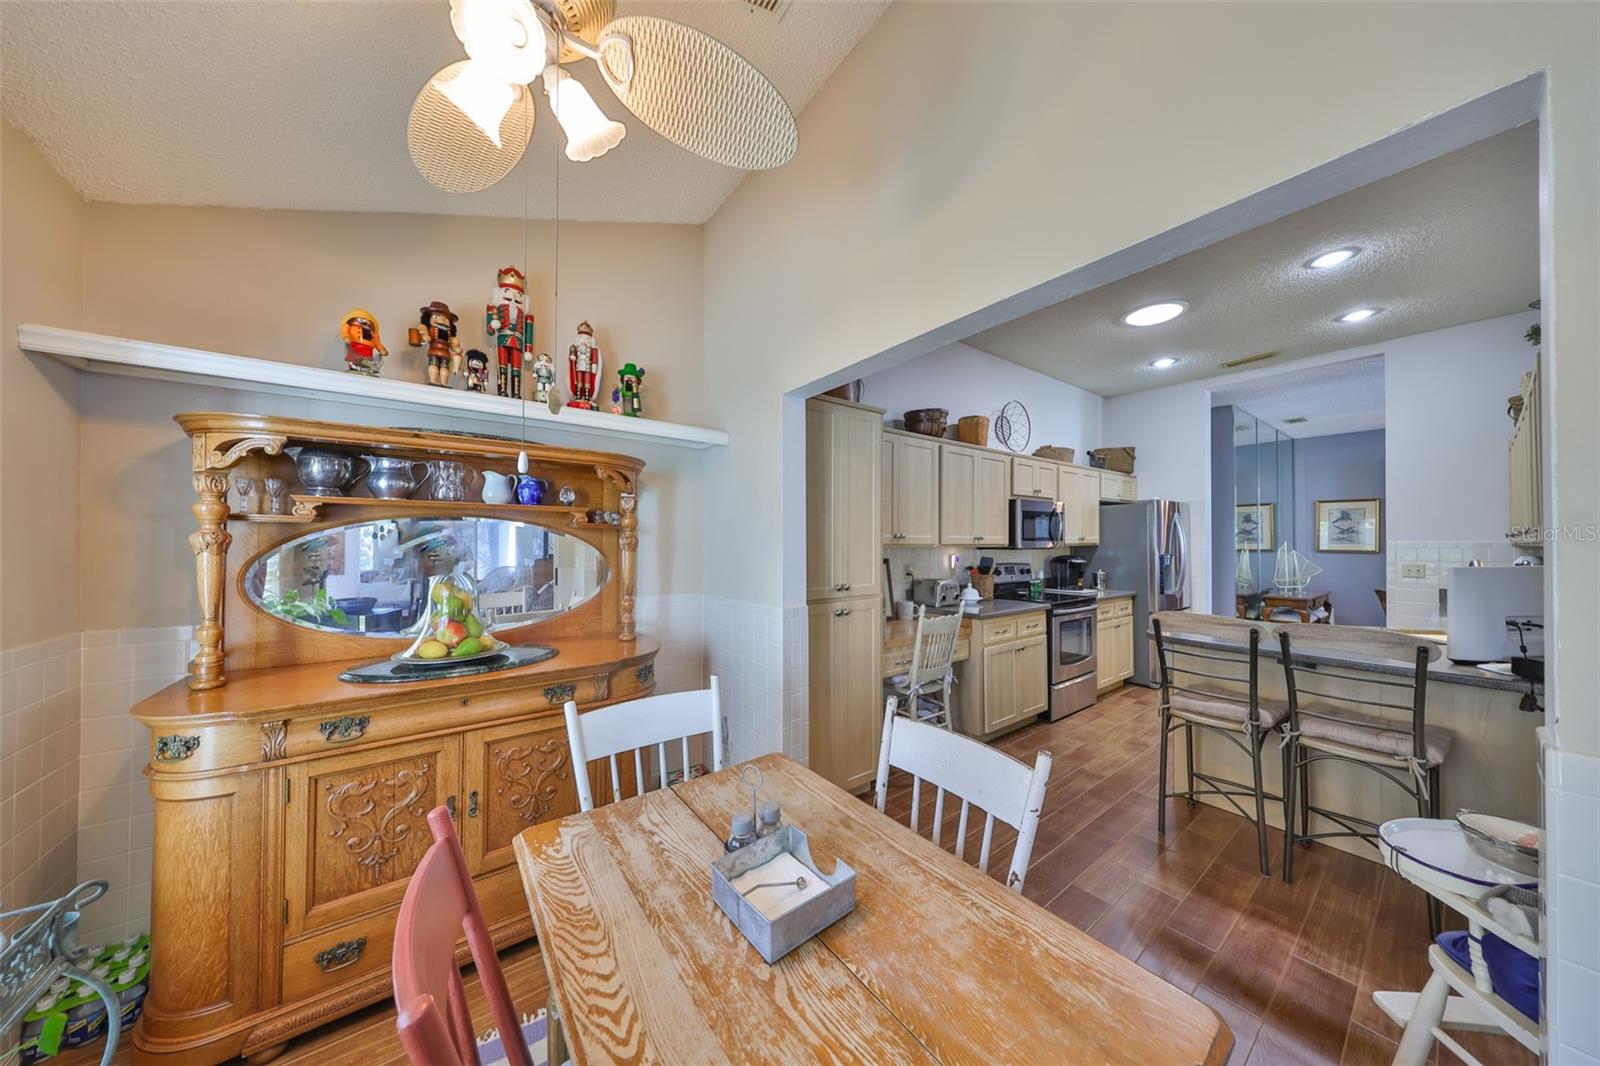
(544, 377)
(507, 320)
(583, 368)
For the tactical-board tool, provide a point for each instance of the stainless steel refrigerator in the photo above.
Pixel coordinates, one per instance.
(1144, 549)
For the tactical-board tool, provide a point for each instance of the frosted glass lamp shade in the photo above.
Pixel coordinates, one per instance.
(589, 133)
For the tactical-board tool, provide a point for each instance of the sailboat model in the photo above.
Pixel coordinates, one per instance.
(1293, 571)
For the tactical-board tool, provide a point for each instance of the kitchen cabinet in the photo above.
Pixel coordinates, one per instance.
(1007, 683)
(1118, 488)
(1524, 458)
(846, 701)
(909, 489)
(974, 493)
(1113, 643)
(1033, 477)
(843, 463)
(1079, 493)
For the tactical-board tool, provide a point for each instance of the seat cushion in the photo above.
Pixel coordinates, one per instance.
(1211, 702)
(1368, 733)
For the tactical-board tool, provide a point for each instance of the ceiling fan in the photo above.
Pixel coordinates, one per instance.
(472, 120)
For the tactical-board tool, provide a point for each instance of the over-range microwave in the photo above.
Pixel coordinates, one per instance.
(1035, 524)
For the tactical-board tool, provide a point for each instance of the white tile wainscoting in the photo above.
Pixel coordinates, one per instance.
(38, 770)
(757, 652)
(1414, 601)
(1572, 905)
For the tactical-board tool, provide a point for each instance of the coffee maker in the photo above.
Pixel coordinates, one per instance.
(1064, 572)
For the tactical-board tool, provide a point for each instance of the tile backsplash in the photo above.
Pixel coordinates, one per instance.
(38, 770)
(1414, 601)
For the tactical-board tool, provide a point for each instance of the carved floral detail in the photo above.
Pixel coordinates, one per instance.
(545, 763)
(602, 686)
(372, 814)
(274, 740)
(241, 447)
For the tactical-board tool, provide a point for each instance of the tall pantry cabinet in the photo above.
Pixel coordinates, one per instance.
(844, 607)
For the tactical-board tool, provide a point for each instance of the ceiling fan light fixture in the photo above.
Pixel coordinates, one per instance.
(590, 134)
(506, 37)
(478, 94)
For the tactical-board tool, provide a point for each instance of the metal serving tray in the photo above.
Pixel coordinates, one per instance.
(775, 938)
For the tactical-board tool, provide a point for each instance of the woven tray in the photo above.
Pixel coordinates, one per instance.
(1119, 460)
(1050, 451)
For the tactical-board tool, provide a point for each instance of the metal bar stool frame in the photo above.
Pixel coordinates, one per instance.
(1250, 739)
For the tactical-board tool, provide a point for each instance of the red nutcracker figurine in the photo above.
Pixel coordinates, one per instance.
(583, 368)
(507, 321)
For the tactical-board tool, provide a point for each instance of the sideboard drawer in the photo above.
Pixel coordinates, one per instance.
(995, 632)
(335, 956)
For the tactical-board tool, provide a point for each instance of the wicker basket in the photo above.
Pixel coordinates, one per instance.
(984, 583)
(1119, 460)
(1050, 451)
(973, 429)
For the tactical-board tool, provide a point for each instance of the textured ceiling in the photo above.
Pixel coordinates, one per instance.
(1343, 397)
(1452, 240)
(296, 104)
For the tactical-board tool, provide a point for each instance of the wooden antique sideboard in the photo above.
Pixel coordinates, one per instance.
(290, 805)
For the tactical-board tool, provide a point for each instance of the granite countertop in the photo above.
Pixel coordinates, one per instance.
(1114, 594)
(1441, 671)
(1002, 608)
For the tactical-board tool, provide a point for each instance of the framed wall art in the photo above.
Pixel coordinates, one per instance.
(1349, 525)
(1253, 526)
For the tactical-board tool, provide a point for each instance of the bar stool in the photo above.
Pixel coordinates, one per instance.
(1392, 739)
(932, 656)
(1244, 719)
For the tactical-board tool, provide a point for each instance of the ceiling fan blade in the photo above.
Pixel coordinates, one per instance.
(697, 92)
(585, 19)
(450, 151)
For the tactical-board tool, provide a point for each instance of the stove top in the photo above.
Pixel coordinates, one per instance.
(1014, 581)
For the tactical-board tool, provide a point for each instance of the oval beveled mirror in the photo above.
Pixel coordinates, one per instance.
(371, 578)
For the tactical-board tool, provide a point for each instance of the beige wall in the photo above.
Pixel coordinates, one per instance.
(273, 284)
(41, 279)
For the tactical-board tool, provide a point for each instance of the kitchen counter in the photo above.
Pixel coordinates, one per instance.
(899, 635)
(1002, 608)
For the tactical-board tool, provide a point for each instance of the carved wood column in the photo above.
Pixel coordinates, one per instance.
(210, 544)
(629, 543)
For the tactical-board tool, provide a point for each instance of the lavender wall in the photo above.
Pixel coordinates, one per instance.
(1346, 466)
(1222, 492)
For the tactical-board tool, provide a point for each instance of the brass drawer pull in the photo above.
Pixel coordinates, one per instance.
(556, 695)
(472, 804)
(345, 953)
(344, 730)
(175, 748)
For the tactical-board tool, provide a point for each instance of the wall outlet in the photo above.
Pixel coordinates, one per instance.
(1413, 569)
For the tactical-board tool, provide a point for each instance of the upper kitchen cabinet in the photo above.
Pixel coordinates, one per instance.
(1033, 477)
(1118, 488)
(843, 444)
(1080, 504)
(909, 484)
(974, 488)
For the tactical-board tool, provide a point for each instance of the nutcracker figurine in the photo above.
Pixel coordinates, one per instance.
(583, 368)
(630, 378)
(511, 327)
(364, 352)
(544, 377)
(476, 370)
(438, 332)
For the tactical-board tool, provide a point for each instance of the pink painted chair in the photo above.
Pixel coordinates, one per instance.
(430, 1002)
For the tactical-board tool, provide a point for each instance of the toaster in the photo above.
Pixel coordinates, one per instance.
(936, 592)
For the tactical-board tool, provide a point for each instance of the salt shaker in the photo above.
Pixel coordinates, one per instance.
(771, 817)
(744, 833)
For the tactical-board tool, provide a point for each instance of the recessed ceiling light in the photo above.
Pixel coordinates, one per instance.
(1155, 314)
(1329, 260)
(1360, 314)
(1164, 362)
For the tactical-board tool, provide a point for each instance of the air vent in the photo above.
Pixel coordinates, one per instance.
(1257, 358)
(1295, 421)
(775, 9)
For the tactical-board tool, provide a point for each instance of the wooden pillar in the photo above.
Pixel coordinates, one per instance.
(629, 543)
(210, 544)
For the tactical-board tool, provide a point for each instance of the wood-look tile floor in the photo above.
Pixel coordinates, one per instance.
(1290, 968)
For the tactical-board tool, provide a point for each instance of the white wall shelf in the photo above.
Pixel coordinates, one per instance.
(133, 358)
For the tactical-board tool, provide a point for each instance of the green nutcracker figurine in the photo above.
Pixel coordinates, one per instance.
(629, 390)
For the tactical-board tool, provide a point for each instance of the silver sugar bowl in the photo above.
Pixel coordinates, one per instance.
(324, 472)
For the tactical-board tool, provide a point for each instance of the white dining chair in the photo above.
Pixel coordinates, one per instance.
(976, 774)
(933, 652)
(606, 732)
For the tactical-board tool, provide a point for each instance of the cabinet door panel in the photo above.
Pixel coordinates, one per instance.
(820, 555)
(1033, 682)
(887, 501)
(991, 500)
(845, 682)
(1023, 477)
(957, 482)
(916, 492)
(999, 686)
(855, 514)
(357, 826)
(1046, 485)
(517, 776)
(1105, 654)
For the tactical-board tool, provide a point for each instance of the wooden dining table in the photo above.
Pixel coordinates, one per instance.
(937, 963)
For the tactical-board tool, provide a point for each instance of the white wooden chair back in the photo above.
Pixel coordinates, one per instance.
(934, 651)
(976, 774)
(606, 732)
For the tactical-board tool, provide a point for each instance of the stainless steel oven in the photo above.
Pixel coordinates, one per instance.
(1035, 524)
(1073, 666)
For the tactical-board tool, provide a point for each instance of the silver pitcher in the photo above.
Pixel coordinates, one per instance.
(327, 473)
(449, 480)
(392, 478)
